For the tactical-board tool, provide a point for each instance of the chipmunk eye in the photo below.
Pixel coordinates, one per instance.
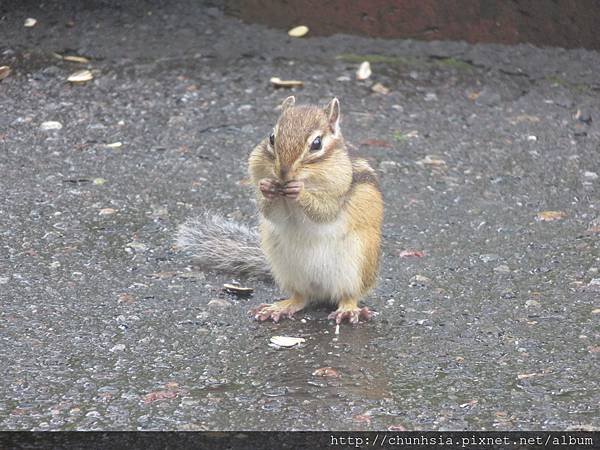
(272, 139)
(316, 144)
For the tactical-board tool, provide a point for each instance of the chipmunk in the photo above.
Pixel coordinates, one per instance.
(320, 218)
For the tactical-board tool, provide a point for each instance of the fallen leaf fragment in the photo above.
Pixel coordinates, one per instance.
(397, 427)
(76, 59)
(411, 253)
(327, 372)
(30, 22)
(594, 226)
(379, 88)
(376, 143)
(473, 95)
(362, 418)
(278, 82)
(126, 298)
(159, 395)
(286, 341)
(81, 76)
(50, 125)
(4, 72)
(238, 290)
(298, 31)
(107, 211)
(364, 71)
(550, 216)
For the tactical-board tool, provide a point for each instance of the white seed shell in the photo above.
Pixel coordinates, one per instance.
(50, 125)
(76, 59)
(286, 341)
(298, 31)
(364, 71)
(278, 82)
(81, 76)
(4, 72)
(237, 290)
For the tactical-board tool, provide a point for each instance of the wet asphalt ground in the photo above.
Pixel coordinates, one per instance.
(104, 325)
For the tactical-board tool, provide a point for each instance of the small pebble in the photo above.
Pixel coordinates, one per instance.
(219, 303)
(386, 166)
(379, 88)
(420, 279)
(532, 304)
(488, 257)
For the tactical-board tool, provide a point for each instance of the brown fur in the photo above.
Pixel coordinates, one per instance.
(365, 207)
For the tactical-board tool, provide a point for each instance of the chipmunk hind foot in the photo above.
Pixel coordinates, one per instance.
(348, 310)
(279, 310)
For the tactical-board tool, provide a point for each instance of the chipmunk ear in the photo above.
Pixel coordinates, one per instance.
(333, 114)
(288, 103)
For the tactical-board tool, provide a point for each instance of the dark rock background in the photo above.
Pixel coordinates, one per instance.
(561, 23)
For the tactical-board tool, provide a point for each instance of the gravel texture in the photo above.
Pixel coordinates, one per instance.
(104, 325)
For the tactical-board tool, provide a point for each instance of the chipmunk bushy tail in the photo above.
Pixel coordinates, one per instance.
(223, 245)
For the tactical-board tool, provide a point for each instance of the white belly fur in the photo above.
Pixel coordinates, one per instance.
(317, 261)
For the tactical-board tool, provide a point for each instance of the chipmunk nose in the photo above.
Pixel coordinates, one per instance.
(284, 171)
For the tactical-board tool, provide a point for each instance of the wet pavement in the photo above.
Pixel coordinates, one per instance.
(104, 324)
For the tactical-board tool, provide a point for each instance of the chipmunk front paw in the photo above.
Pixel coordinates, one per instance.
(269, 188)
(292, 189)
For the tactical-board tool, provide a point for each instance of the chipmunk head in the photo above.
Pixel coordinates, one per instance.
(305, 136)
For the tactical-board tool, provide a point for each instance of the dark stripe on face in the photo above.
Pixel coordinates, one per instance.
(264, 147)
